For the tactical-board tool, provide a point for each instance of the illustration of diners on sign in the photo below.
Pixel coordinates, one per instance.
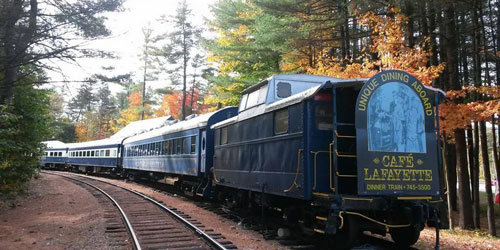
(396, 120)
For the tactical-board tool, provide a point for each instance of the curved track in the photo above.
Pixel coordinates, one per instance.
(150, 224)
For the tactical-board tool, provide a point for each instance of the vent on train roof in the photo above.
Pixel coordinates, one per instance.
(191, 116)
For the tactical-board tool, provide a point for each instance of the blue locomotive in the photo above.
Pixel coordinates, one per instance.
(341, 157)
(334, 156)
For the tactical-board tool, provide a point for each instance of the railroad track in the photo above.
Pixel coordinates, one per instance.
(253, 222)
(148, 223)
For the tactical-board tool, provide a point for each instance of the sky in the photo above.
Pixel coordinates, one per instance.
(126, 41)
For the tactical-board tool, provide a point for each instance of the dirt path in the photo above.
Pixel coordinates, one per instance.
(53, 214)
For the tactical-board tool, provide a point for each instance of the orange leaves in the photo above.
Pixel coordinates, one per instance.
(490, 92)
(133, 112)
(459, 116)
(81, 133)
(171, 104)
(392, 49)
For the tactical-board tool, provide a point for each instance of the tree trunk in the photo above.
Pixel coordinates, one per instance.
(496, 159)
(487, 178)
(432, 31)
(473, 173)
(497, 38)
(465, 220)
(144, 85)
(464, 198)
(192, 91)
(410, 26)
(184, 71)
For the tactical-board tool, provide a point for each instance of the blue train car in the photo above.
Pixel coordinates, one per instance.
(55, 155)
(275, 156)
(95, 156)
(180, 154)
(336, 156)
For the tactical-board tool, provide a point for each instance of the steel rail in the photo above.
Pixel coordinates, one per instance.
(122, 213)
(214, 243)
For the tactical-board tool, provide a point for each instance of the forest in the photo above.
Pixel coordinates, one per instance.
(450, 45)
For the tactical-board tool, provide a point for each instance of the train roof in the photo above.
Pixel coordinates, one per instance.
(54, 144)
(291, 77)
(195, 122)
(96, 143)
(142, 126)
(296, 98)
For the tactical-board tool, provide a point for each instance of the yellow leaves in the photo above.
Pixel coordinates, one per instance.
(454, 116)
(459, 116)
(4, 165)
(394, 52)
(81, 133)
(490, 92)
(133, 112)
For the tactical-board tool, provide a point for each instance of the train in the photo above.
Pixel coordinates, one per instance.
(333, 157)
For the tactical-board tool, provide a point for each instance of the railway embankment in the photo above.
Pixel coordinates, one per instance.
(55, 213)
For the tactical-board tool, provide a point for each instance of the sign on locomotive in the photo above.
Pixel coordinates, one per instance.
(396, 136)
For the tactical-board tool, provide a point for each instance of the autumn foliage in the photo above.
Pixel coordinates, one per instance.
(133, 112)
(391, 48)
(171, 104)
(458, 111)
(394, 52)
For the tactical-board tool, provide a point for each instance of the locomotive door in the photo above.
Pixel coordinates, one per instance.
(203, 143)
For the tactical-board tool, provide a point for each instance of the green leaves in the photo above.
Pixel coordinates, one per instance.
(23, 125)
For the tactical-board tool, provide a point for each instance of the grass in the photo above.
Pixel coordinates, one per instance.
(483, 205)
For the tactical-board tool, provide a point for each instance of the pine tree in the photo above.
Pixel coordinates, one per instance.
(178, 46)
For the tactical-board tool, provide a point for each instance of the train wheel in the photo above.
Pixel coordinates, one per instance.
(405, 237)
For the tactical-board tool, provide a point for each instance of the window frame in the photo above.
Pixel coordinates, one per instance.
(277, 90)
(223, 136)
(275, 120)
(193, 144)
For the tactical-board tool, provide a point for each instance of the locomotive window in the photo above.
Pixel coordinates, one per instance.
(281, 121)
(88, 153)
(253, 99)
(243, 102)
(262, 94)
(193, 144)
(283, 89)
(92, 153)
(323, 115)
(223, 136)
(51, 154)
(60, 154)
(114, 152)
(171, 147)
(107, 152)
(102, 153)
